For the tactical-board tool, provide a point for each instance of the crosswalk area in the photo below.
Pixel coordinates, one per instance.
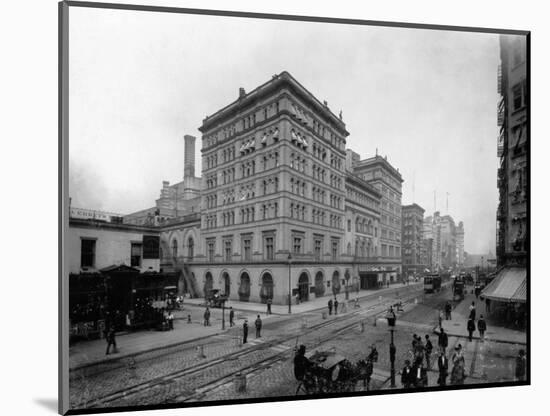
(260, 341)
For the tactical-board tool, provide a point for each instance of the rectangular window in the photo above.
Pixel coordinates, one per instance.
(135, 255)
(87, 253)
(318, 245)
(384, 250)
(228, 249)
(269, 248)
(211, 250)
(247, 249)
(517, 96)
(334, 249)
(297, 247)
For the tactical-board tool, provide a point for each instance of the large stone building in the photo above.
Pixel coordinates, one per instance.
(512, 233)
(279, 210)
(444, 241)
(413, 249)
(387, 180)
(509, 288)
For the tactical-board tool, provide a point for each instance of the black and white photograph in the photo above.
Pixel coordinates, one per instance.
(270, 208)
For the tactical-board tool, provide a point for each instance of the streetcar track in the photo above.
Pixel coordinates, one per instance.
(139, 387)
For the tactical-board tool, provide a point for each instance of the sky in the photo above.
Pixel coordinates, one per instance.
(140, 81)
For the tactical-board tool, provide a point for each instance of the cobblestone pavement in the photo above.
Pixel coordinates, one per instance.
(178, 373)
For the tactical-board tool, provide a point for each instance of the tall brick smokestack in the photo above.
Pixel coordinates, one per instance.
(189, 161)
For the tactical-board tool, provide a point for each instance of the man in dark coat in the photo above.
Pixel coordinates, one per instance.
(301, 363)
(481, 327)
(111, 340)
(443, 365)
(428, 351)
(231, 316)
(420, 375)
(269, 302)
(407, 375)
(207, 317)
(472, 311)
(330, 306)
(471, 326)
(443, 341)
(521, 365)
(258, 324)
(335, 306)
(448, 309)
(245, 331)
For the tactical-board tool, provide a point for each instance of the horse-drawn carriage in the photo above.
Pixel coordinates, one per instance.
(329, 372)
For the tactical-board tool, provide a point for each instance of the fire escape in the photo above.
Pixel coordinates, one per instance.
(502, 182)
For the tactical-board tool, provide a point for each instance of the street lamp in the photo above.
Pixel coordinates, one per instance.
(391, 323)
(289, 293)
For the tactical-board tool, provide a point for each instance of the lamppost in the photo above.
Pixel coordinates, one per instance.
(289, 291)
(391, 323)
(223, 314)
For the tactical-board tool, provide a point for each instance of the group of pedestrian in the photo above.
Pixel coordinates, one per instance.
(471, 324)
(334, 305)
(257, 324)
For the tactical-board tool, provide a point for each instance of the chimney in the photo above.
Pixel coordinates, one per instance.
(242, 92)
(189, 157)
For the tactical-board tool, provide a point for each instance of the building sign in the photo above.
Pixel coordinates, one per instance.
(151, 247)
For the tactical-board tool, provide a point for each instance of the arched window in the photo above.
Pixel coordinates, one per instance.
(190, 248)
(175, 248)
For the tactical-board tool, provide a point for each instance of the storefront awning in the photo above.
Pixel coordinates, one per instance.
(509, 285)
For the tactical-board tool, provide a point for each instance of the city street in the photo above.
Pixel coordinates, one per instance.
(205, 369)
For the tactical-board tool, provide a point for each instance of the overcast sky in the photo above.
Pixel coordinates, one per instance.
(139, 81)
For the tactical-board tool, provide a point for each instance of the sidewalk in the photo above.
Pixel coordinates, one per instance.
(457, 325)
(314, 304)
(92, 352)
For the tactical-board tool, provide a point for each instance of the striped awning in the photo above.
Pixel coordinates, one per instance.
(510, 285)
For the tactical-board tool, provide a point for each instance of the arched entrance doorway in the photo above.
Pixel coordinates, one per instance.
(244, 288)
(336, 282)
(319, 284)
(303, 287)
(226, 283)
(266, 292)
(208, 283)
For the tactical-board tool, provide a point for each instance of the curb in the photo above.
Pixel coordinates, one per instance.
(502, 341)
(120, 356)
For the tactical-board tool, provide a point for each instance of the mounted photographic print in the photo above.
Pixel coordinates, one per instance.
(267, 208)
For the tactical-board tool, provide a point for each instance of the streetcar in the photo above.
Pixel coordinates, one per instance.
(458, 288)
(432, 283)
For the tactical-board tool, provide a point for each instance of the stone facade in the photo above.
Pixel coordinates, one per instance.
(412, 242)
(513, 142)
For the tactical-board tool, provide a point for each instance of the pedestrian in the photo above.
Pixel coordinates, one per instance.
(440, 318)
(330, 306)
(373, 355)
(269, 302)
(111, 340)
(443, 365)
(420, 375)
(297, 298)
(231, 316)
(245, 331)
(472, 311)
(443, 341)
(429, 348)
(471, 326)
(458, 373)
(419, 351)
(407, 375)
(335, 306)
(448, 309)
(481, 327)
(207, 317)
(258, 324)
(521, 365)
(170, 320)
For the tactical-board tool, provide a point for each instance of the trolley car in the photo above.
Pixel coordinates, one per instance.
(432, 283)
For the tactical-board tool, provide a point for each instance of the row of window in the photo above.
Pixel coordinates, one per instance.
(361, 198)
(211, 201)
(336, 201)
(246, 122)
(390, 251)
(319, 128)
(248, 145)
